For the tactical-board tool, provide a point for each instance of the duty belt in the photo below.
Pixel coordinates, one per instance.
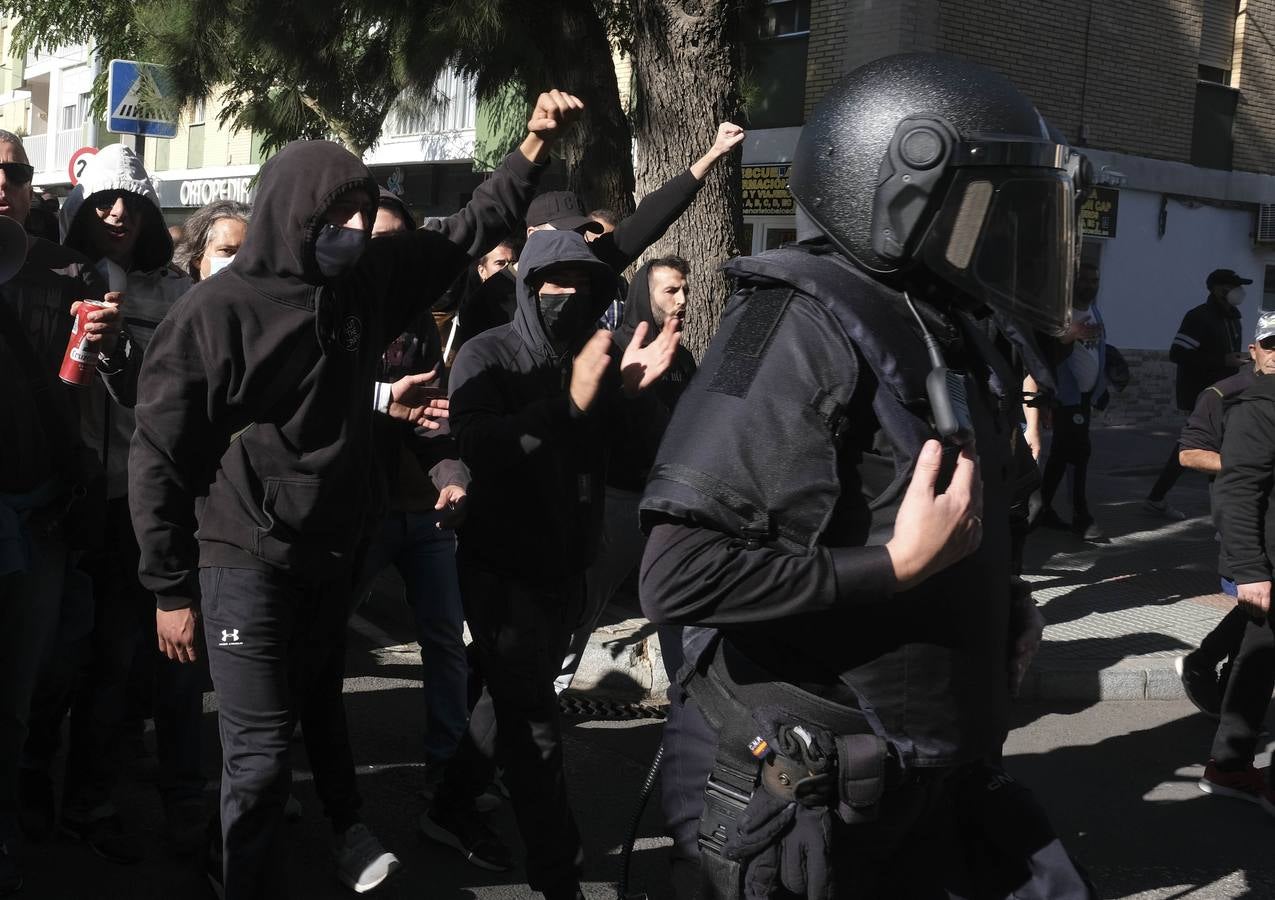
(728, 687)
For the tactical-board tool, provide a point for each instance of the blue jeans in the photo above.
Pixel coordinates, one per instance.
(425, 555)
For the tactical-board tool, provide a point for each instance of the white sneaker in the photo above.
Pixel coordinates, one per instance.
(361, 862)
(1162, 508)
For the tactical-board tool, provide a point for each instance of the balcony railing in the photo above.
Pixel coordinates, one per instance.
(68, 141)
(37, 147)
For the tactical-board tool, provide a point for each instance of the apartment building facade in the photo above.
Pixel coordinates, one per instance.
(1172, 100)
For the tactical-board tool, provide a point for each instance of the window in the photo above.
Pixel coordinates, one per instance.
(197, 113)
(1217, 39)
(1268, 289)
(774, 55)
(452, 106)
(1212, 145)
(70, 117)
(195, 147)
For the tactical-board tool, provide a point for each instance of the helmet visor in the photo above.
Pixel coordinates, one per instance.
(1007, 236)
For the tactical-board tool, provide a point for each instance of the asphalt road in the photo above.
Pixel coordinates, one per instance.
(1117, 777)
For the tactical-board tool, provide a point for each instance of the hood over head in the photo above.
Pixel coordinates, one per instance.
(637, 308)
(295, 187)
(545, 251)
(394, 202)
(117, 168)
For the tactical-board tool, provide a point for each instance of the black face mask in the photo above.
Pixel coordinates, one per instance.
(567, 317)
(337, 249)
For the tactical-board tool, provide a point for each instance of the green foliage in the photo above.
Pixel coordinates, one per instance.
(290, 68)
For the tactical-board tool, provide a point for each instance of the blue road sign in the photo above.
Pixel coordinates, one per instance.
(141, 100)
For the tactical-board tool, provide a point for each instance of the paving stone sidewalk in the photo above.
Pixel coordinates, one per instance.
(1119, 613)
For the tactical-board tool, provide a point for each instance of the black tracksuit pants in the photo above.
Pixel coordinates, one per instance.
(1248, 693)
(520, 633)
(1070, 445)
(276, 650)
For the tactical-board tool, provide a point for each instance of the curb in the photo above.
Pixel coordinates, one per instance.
(1147, 679)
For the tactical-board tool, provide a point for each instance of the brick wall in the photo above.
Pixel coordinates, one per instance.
(1254, 74)
(1149, 400)
(1135, 93)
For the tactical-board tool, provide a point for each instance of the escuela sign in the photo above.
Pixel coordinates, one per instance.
(765, 190)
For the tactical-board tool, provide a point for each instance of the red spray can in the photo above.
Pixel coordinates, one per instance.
(79, 365)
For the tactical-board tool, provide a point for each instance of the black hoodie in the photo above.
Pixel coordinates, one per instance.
(256, 391)
(637, 433)
(538, 462)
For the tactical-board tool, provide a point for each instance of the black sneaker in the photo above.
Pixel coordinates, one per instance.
(465, 830)
(187, 822)
(1087, 530)
(1050, 519)
(10, 872)
(36, 815)
(1200, 684)
(106, 837)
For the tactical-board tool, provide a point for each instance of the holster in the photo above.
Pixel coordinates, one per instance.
(858, 766)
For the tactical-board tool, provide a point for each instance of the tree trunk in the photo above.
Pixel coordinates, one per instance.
(686, 58)
(597, 152)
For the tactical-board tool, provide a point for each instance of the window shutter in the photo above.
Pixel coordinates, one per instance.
(1217, 35)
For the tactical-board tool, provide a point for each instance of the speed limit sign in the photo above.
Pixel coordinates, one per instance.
(79, 159)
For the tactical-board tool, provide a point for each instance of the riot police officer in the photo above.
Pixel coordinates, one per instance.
(842, 545)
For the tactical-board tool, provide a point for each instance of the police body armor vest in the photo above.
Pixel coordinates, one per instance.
(832, 469)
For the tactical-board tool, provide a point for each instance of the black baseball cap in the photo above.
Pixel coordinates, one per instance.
(562, 210)
(1224, 276)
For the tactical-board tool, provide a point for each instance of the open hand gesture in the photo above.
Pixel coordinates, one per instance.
(417, 399)
(640, 367)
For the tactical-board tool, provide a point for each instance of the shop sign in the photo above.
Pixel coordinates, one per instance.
(765, 190)
(1099, 213)
(200, 191)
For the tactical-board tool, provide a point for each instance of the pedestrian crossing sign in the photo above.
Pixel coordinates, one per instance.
(141, 99)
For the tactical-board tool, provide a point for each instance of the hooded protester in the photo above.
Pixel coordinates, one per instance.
(255, 401)
(113, 218)
(532, 403)
(51, 494)
(633, 442)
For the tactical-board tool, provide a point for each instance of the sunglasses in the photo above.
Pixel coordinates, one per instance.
(17, 173)
(105, 202)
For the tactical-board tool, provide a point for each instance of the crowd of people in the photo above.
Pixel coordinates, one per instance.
(292, 396)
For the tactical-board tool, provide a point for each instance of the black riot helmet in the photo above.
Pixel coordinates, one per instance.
(922, 165)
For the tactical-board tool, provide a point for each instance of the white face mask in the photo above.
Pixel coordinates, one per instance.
(217, 263)
(1235, 296)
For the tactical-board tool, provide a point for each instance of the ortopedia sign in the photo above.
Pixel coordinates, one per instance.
(765, 191)
(199, 191)
(141, 99)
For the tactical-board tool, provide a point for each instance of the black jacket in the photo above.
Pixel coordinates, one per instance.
(487, 304)
(1207, 334)
(1242, 492)
(779, 481)
(256, 393)
(637, 433)
(538, 462)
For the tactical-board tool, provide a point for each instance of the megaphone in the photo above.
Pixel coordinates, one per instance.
(13, 248)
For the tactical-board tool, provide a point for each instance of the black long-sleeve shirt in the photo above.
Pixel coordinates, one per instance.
(1242, 492)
